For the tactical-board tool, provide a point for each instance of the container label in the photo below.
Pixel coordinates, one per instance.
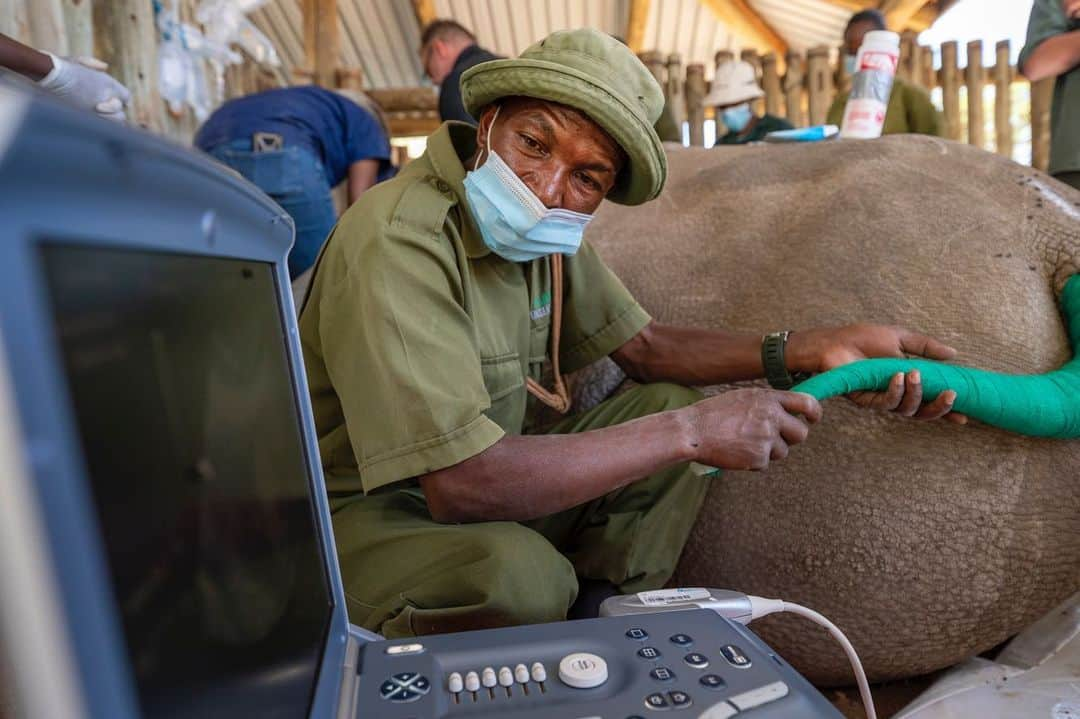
(666, 597)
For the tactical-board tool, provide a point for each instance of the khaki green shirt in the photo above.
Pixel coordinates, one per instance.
(417, 340)
(910, 110)
(1047, 20)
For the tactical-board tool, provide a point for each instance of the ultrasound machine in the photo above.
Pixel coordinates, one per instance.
(166, 547)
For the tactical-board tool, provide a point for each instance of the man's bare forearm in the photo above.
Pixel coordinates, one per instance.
(663, 353)
(1054, 56)
(525, 477)
(23, 59)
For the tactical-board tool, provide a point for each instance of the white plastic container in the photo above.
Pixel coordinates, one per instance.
(871, 85)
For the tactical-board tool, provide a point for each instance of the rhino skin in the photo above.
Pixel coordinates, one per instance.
(926, 543)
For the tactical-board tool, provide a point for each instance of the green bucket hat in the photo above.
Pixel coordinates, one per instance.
(595, 73)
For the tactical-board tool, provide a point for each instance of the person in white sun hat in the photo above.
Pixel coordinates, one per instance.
(734, 88)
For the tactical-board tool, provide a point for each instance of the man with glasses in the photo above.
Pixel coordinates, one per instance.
(447, 49)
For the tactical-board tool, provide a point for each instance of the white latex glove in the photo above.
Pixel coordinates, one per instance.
(83, 82)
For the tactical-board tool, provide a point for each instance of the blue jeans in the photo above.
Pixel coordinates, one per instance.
(295, 179)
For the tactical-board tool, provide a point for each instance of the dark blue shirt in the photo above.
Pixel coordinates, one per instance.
(335, 129)
(450, 105)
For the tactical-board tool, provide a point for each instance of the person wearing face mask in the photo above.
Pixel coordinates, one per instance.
(444, 310)
(910, 108)
(734, 89)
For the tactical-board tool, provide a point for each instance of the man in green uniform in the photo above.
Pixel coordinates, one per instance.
(435, 306)
(734, 89)
(1053, 50)
(910, 108)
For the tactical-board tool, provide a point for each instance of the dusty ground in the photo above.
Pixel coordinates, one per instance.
(888, 698)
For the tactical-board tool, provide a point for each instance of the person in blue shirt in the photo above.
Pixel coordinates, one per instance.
(295, 144)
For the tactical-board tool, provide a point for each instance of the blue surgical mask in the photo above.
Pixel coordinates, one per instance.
(737, 118)
(849, 64)
(514, 223)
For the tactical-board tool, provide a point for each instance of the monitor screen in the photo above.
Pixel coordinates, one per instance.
(180, 383)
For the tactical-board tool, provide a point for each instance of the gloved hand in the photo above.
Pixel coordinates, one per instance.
(83, 82)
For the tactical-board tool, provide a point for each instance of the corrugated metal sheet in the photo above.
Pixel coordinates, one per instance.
(381, 38)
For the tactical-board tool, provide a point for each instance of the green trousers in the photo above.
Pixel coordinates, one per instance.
(406, 575)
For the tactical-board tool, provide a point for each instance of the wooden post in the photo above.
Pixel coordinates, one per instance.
(350, 78)
(722, 56)
(906, 53)
(636, 21)
(793, 90)
(695, 109)
(770, 82)
(1042, 93)
(819, 84)
(950, 91)
(405, 99)
(1003, 100)
(47, 26)
(322, 39)
(79, 26)
(976, 81)
(751, 56)
(126, 38)
(841, 76)
(674, 91)
(929, 76)
(14, 21)
(655, 62)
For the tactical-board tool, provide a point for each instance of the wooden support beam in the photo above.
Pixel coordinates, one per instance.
(793, 90)
(976, 81)
(125, 37)
(411, 124)
(425, 12)
(1003, 100)
(673, 93)
(636, 20)
(322, 39)
(899, 13)
(744, 21)
(406, 99)
(950, 90)
(695, 108)
(47, 26)
(1042, 93)
(819, 85)
(79, 24)
(770, 82)
(14, 20)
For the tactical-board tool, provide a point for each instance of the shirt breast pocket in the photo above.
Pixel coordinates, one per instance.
(505, 384)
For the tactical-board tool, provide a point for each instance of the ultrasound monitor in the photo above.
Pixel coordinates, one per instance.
(166, 545)
(181, 389)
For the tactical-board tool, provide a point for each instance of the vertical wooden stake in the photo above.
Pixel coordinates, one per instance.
(793, 90)
(655, 62)
(47, 26)
(976, 82)
(1042, 93)
(1003, 100)
(695, 109)
(819, 84)
(674, 90)
(322, 39)
(15, 20)
(722, 56)
(79, 23)
(770, 81)
(929, 77)
(125, 37)
(950, 91)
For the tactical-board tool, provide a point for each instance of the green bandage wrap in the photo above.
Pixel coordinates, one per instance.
(1045, 405)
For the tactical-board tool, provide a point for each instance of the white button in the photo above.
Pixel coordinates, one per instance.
(454, 683)
(405, 649)
(487, 678)
(521, 674)
(472, 681)
(759, 696)
(539, 674)
(583, 671)
(723, 710)
(506, 677)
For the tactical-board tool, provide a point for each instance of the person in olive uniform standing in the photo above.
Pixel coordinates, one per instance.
(910, 108)
(1053, 50)
(734, 89)
(435, 307)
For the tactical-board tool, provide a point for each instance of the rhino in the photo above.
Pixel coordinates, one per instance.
(926, 543)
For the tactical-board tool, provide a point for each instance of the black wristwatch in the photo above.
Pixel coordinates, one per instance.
(772, 357)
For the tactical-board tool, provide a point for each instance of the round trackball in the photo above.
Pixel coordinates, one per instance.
(582, 670)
